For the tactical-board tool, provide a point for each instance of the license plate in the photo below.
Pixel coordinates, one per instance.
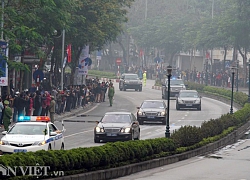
(110, 134)
(20, 150)
(151, 117)
(189, 105)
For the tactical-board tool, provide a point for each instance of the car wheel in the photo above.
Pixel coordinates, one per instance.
(124, 89)
(97, 140)
(140, 122)
(177, 107)
(49, 148)
(62, 147)
(136, 89)
(140, 89)
(199, 108)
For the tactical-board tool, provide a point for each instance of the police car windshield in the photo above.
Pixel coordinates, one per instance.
(189, 94)
(132, 77)
(175, 82)
(152, 104)
(28, 129)
(116, 118)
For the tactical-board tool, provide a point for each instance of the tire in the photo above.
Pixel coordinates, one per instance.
(124, 89)
(140, 122)
(97, 140)
(62, 147)
(140, 89)
(177, 107)
(199, 108)
(49, 148)
(136, 89)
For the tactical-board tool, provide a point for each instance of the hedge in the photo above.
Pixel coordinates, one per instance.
(102, 74)
(117, 154)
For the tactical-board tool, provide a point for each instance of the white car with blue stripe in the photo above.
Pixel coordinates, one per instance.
(32, 133)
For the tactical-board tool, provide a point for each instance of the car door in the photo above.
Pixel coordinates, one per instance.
(55, 143)
(135, 126)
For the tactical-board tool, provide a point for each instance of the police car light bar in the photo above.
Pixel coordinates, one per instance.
(33, 119)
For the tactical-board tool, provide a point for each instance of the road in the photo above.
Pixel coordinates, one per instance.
(230, 163)
(80, 133)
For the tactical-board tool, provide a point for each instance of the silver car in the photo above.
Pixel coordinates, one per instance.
(188, 99)
(115, 126)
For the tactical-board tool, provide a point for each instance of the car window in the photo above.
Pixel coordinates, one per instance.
(52, 128)
(189, 94)
(176, 82)
(131, 77)
(28, 129)
(116, 118)
(153, 104)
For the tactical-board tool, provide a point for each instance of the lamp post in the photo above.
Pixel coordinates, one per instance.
(233, 68)
(237, 77)
(169, 71)
(206, 72)
(249, 81)
(63, 44)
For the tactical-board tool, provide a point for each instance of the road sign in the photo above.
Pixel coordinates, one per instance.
(118, 61)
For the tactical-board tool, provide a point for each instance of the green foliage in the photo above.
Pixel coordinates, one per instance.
(102, 74)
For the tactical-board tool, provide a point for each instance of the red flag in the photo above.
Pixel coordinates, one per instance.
(69, 53)
(207, 55)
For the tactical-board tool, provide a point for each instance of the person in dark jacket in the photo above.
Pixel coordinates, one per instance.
(37, 104)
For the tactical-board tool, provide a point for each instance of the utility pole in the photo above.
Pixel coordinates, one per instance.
(63, 44)
(212, 49)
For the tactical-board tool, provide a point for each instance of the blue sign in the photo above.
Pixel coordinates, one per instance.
(157, 60)
(38, 73)
(3, 64)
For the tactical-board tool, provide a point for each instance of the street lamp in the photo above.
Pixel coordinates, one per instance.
(249, 81)
(233, 68)
(206, 72)
(169, 71)
(237, 77)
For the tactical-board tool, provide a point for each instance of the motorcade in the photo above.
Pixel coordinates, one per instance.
(188, 99)
(117, 126)
(130, 81)
(32, 133)
(152, 111)
(175, 86)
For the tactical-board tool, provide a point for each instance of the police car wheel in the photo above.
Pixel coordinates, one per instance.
(49, 148)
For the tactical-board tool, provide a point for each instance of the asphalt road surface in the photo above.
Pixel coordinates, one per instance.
(230, 163)
(80, 132)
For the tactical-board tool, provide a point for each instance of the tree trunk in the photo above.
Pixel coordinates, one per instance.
(75, 63)
(224, 59)
(21, 74)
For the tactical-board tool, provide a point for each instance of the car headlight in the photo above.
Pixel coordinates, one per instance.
(197, 101)
(98, 129)
(140, 113)
(180, 101)
(125, 130)
(39, 143)
(163, 113)
(4, 142)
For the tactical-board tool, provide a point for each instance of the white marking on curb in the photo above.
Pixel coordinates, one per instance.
(91, 109)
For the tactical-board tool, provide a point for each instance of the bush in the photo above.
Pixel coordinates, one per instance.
(102, 74)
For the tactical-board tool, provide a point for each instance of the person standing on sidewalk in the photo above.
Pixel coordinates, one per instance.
(1, 111)
(111, 93)
(7, 115)
(52, 109)
(144, 78)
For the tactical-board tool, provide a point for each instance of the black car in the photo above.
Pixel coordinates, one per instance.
(152, 111)
(188, 99)
(130, 81)
(117, 126)
(175, 86)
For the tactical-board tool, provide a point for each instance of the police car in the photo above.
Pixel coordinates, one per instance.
(32, 133)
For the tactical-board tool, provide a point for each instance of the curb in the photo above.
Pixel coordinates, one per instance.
(74, 112)
(157, 87)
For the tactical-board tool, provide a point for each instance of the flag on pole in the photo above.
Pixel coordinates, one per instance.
(141, 53)
(84, 61)
(69, 53)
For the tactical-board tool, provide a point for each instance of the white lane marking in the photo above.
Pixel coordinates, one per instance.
(179, 120)
(148, 132)
(91, 109)
(183, 118)
(185, 115)
(74, 134)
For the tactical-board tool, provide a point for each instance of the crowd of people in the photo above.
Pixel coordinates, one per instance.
(49, 103)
